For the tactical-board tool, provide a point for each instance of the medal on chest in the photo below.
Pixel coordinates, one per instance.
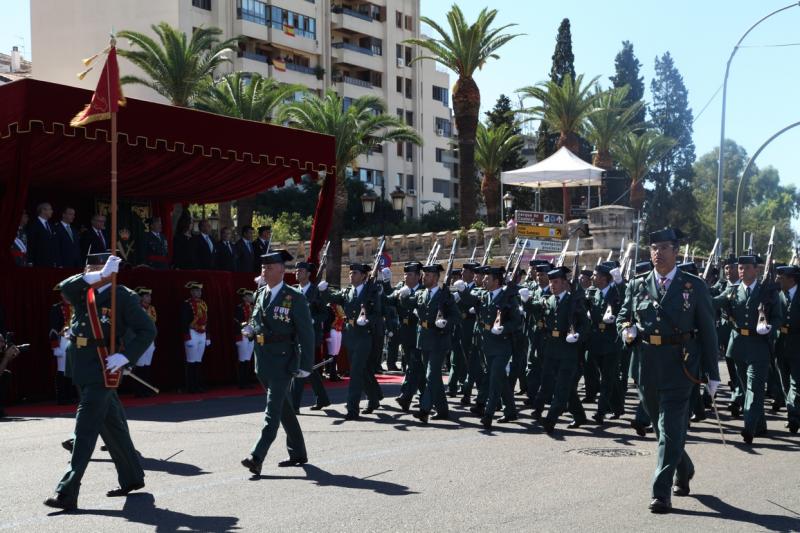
(687, 291)
(281, 311)
(105, 315)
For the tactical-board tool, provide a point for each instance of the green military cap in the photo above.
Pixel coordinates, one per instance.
(747, 260)
(436, 267)
(730, 260)
(788, 270)
(456, 271)
(603, 268)
(359, 267)
(471, 265)
(142, 290)
(586, 272)
(689, 267)
(495, 271)
(666, 234)
(545, 267)
(276, 256)
(305, 265)
(244, 292)
(412, 266)
(194, 285)
(643, 267)
(611, 264)
(560, 272)
(97, 259)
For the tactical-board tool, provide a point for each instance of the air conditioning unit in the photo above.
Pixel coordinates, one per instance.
(411, 192)
(401, 62)
(440, 133)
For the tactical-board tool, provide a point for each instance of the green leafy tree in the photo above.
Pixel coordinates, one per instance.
(465, 48)
(503, 114)
(493, 145)
(357, 129)
(176, 67)
(626, 73)
(638, 154)
(563, 65)
(610, 120)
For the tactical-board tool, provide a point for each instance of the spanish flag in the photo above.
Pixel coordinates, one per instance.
(279, 64)
(288, 30)
(107, 96)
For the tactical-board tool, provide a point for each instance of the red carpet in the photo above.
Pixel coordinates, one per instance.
(48, 409)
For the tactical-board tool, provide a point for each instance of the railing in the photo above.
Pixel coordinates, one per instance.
(354, 48)
(353, 81)
(300, 68)
(352, 13)
(253, 56)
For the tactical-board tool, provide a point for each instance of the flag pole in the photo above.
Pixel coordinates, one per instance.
(113, 340)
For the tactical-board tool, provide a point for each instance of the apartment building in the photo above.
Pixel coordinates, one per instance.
(354, 46)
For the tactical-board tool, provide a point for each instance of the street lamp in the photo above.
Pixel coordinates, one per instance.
(398, 199)
(508, 203)
(368, 200)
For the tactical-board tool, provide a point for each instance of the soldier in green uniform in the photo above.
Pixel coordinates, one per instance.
(788, 347)
(100, 412)
(458, 361)
(731, 277)
(466, 297)
(362, 308)
(751, 341)
(670, 314)
(641, 421)
(284, 348)
(538, 288)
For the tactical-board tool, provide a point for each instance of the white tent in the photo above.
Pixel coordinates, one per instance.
(562, 169)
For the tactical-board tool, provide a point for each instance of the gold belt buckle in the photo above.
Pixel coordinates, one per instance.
(464, 315)
(785, 330)
(405, 321)
(655, 340)
(260, 339)
(81, 342)
(487, 327)
(601, 326)
(540, 324)
(555, 333)
(424, 324)
(745, 332)
(351, 322)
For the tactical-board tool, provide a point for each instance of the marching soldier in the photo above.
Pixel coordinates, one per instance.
(146, 360)
(319, 313)
(244, 345)
(788, 349)
(539, 288)
(156, 251)
(731, 277)
(362, 306)
(283, 331)
(641, 421)
(93, 369)
(751, 342)
(60, 317)
(467, 298)
(669, 313)
(194, 317)
(458, 360)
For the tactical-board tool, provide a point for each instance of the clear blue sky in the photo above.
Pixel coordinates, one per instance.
(764, 82)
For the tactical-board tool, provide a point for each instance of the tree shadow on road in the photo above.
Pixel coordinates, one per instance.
(327, 479)
(726, 511)
(140, 508)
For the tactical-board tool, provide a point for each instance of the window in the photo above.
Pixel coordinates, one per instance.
(370, 175)
(399, 179)
(346, 103)
(441, 94)
(443, 127)
(410, 183)
(398, 19)
(410, 118)
(409, 22)
(399, 84)
(409, 212)
(202, 4)
(399, 149)
(455, 190)
(442, 187)
(439, 154)
(409, 87)
(290, 22)
(398, 51)
(409, 55)
(409, 152)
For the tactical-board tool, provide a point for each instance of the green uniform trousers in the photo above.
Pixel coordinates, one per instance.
(791, 365)
(560, 386)
(279, 411)
(458, 365)
(752, 382)
(362, 378)
(298, 384)
(497, 386)
(100, 413)
(433, 395)
(608, 366)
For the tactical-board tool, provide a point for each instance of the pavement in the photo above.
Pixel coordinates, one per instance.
(389, 473)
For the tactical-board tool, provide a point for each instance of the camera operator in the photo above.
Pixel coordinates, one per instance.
(9, 353)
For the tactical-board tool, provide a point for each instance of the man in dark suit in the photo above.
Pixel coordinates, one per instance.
(156, 252)
(42, 244)
(95, 240)
(224, 254)
(245, 252)
(203, 247)
(262, 245)
(69, 250)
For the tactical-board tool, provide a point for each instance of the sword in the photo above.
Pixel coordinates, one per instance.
(323, 362)
(716, 414)
(127, 372)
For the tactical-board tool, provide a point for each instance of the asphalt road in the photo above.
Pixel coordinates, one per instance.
(388, 473)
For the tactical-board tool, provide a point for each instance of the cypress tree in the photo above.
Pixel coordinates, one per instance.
(626, 67)
(563, 65)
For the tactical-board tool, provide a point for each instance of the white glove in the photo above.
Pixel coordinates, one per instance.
(415, 313)
(472, 310)
(588, 314)
(58, 352)
(441, 323)
(629, 333)
(712, 386)
(322, 285)
(616, 273)
(386, 274)
(260, 281)
(362, 321)
(572, 338)
(390, 334)
(111, 266)
(208, 342)
(524, 294)
(300, 373)
(460, 285)
(404, 291)
(248, 331)
(763, 328)
(609, 317)
(456, 297)
(498, 330)
(115, 362)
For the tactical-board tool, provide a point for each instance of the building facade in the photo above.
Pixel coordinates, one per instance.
(355, 47)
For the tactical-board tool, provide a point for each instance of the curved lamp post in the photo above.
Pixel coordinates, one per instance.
(745, 175)
(721, 161)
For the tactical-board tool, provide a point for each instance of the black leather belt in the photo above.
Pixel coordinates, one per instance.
(662, 340)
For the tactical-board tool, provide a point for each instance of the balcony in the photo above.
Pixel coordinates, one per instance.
(301, 68)
(350, 21)
(354, 48)
(357, 56)
(351, 12)
(354, 81)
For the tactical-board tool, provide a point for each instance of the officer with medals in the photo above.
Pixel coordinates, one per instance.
(362, 307)
(467, 298)
(97, 374)
(670, 314)
(284, 347)
(194, 319)
(244, 345)
(788, 345)
(145, 362)
(750, 346)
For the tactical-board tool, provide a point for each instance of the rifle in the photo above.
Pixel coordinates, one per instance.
(474, 251)
(377, 262)
(487, 253)
(575, 283)
(510, 275)
(711, 257)
(794, 256)
(768, 284)
(449, 271)
(621, 248)
(685, 253)
(323, 261)
(511, 255)
(750, 245)
(562, 257)
(435, 252)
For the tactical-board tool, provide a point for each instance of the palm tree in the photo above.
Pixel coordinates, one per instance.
(175, 68)
(564, 107)
(363, 125)
(465, 49)
(610, 121)
(248, 96)
(637, 154)
(492, 147)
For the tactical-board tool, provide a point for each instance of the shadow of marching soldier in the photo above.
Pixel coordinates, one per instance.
(327, 479)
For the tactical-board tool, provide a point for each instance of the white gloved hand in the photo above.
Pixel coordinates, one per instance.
(572, 338)
(609, 317)
(616, 274)
(386, 274)
(415, 313)
(115, 362)
(456, 297)
(362, 321)
(712, 386)
(300, 373)
(472, 310)
(524, 294)
(208, 342)
(390, 334)
(58, 352)
(459, 285)
(498, 330)
(111, 266)
(322, 285)
(441, 323)
(588, 314)
(404, 291)
(763, 328)
(629, 333)
(248, 331)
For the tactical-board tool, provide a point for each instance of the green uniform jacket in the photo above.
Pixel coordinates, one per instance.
(355, 336)
(135, 330)
(318, 309)
(506, 304)
(404, 308)
(604, 338)
(282, 327)
(685, 308)
(743, 315)
(556, 321)
(789, 333)
(429, 337)
(723, 323)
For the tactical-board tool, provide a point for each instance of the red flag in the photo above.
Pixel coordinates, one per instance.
(107, 96)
